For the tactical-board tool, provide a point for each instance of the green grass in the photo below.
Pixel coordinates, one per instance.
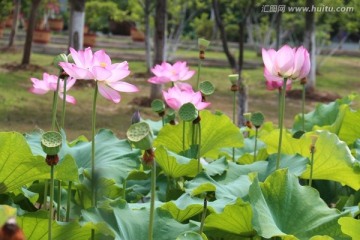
(22, 111)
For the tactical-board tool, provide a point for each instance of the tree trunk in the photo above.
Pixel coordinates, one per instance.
(223, 37)
(29, 32)
(147, 11)
(159, 42)
(309, 43)
(76, 26)
(15, 23)
(242, 93)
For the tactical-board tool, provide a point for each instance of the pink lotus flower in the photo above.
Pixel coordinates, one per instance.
(178, 95)
(98, 66)
(166, 72)
(287, 62)
(49, 83)
(274, 83)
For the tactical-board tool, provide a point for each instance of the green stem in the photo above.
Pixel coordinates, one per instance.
(68, 202)
(279, 104)
(281, 123)
(234, 110)
(54, 106)
(93, 128)
(199, 148)
(168, 187)
(58, 201)
(203, 216)
(152, 201)
(63, 106)
(303, 107)
(183, 136)
(45, 192)
(51, 202)
(255, 147)
(198, 74)
(312, 150)
(163, 120)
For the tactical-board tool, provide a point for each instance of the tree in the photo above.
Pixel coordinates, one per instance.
(309, 43)
(15, 23)
(76, 26)
(159, 42)
(29, 32)
(236, 67)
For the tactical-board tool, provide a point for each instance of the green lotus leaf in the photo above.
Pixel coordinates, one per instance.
(190, 236)
(127, 223)
(216, 167)
(67, 170)
(236, 219)
(227, 188)
(216, 132)
(350, 226)
(323, 115)
(35, 227)
(187, 206)
(114, 158)
(284, 208)
(18, 166)
(332, 158)
(175, 165)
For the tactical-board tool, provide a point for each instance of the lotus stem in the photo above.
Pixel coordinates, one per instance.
(234, 110)
(255, 146)
(93, 128)
(152, 200)
(303, 107)
(68, 202)
(54, 105)
(203, 215)
(198, 73)
(63, 106)
(199, 148)
(51, 202)
(183, 137)
(58, 201)
(46, 185)
(281, 122)
(312, 151)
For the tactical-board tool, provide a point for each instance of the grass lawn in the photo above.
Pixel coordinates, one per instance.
(22, 111)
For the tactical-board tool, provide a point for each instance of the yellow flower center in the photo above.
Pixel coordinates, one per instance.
(102, 64)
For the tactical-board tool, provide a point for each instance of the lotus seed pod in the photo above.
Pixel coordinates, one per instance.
(188, 112)
(158, 106)
(140, 135)
(257, 119)
(206, 88)
(51, 142)
(233, 78)
(203, 44)
(70, 58)
(247, 116)
(60, 58)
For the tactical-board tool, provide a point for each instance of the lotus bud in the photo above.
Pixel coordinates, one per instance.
(136, 117)
(60, 58)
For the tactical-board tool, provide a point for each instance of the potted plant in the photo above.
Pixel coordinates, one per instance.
(42, 32)
(5, 11)
(97, 16)
(56, 21)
